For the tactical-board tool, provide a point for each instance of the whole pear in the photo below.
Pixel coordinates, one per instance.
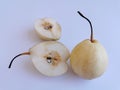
(89, 58)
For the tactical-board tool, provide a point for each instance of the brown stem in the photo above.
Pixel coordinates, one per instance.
(91, 36)
(25, 53)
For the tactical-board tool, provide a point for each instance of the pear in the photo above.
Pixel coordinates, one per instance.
(48, 57)
(89, 59)
(48, 29)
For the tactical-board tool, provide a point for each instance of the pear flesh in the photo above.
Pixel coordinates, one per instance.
(89, 59)
(50, 58)
(48, 29)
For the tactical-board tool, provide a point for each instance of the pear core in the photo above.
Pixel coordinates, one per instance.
(47, 26)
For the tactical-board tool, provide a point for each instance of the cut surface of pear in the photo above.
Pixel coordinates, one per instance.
(48, 29)
(49, 58)
(89, 59)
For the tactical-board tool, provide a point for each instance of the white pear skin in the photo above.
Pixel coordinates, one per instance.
(89, 59)
(48, 29)
(50, 57)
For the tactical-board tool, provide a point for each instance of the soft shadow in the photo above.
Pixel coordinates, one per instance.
(69, 77)
(33, 37)
(30, 69)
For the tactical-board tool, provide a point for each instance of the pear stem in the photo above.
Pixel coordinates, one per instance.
(91, 36)
(25, 53)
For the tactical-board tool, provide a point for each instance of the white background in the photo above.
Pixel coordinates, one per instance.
(17, 35)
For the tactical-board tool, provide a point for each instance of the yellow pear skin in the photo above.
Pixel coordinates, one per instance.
(89, 59)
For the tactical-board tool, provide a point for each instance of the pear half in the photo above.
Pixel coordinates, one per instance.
(50, 58)
(48, 29)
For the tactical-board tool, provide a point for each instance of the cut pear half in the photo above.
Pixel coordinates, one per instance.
(48, 57)
(48, 29)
